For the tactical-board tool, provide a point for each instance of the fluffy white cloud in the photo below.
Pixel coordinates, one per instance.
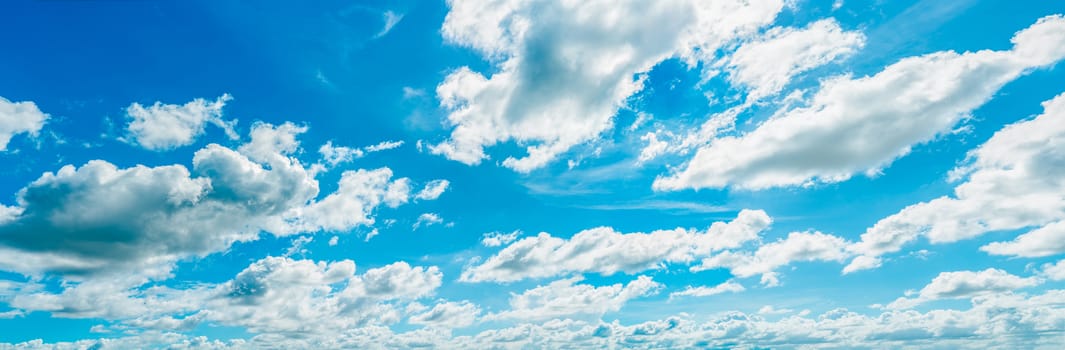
(99, 217)
(1012, 182)
(704, 291)
(1043, 241)
(281, 295)
(861, 125)
(432, 190)
(1055, 271)
(567, 298)
(448, 315)
(605, 251)
(965, 284)
(165, 126)
(19, 118)
(563, 69)
(767, 64)
(797, 246)
(495, 239)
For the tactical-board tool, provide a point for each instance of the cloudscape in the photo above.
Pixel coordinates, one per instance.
(532, 174)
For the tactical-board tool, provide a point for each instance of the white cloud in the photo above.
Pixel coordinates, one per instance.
(100, 218)
(965, 284)
(563, 69)
(495, 239)
(391, 19)
(567, 298)
(862, 125)
(993, 321)
(1055, 271)
(704, 291)
(334, 241)
(1012, 182)
(432, 190)
(1043, 241)
(164, 126)
(797, 246)
(281, 295)
(334, 155)
(19, 118)
(448, 315)
(384, 146)
(426, 220)
(605, 251)
(767, 64)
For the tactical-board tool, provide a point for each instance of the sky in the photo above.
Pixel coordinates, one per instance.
(749, 174)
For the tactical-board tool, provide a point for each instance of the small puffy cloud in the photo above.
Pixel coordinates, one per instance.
(562, 70)
(384, 146)
(861, 125)
(1012, 182)
(767, 64)
(1055, 271)
(605, 251)
(432, 190)
(704, 291)
(566, 297)
(335, 155)
(965, 284)
(333, 241)
(447, 315)
(426, 220)
(165, 126)
(19, 118)
(495, 239)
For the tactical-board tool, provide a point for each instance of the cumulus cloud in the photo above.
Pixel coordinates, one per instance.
(1012, 182)
(495, 239)
(448, 315)
(568, 298)
(605, 251)
(165, 126)
(99, 217)
(861, 125)
(281, 295)
(1055, 271)
(965, 284)
(432, 190)
(767, 64)
(797, 246)
(993, 321)
(704, 291)
(19, 118)
(563, 69)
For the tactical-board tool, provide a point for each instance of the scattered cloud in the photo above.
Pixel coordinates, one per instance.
(161, 127)
(965, 284)
(1011, 183)
(19, 118)
(605, 251)
(563, 70)
(861, 125)
(704, 291)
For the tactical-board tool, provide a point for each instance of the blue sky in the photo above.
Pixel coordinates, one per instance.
(531, 174)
